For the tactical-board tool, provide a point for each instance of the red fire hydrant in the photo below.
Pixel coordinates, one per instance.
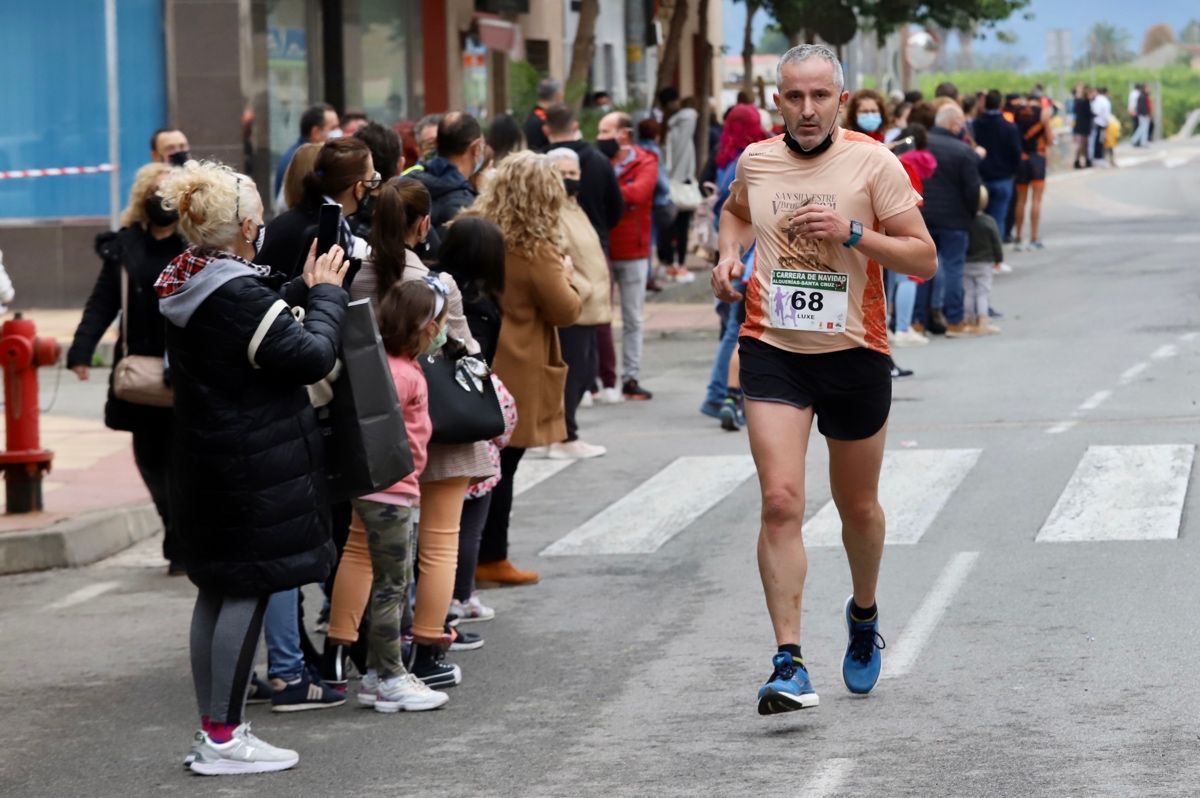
(24, 460)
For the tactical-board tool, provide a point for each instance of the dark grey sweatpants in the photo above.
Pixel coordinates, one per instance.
(224, 636)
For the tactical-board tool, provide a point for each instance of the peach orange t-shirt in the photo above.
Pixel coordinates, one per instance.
(863, 181)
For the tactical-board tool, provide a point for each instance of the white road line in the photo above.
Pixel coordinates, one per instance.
(1165, 351)
(658, 509)
(533, 472)
(828, 778)
(1189, 337)
(1061, 427)
(1187, 238)
(914, 486)
(86, 593)
(1130, 374)
(924, 621)
(1095, 400)
(1122, 493)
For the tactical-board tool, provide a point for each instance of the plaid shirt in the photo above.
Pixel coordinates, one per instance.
(191, 262)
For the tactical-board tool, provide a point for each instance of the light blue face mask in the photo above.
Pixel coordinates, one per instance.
(438, 341)
(870, 122)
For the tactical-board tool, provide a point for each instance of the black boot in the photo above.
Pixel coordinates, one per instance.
(428, 664)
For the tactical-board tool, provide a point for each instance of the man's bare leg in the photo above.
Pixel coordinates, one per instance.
(779, 442)
(854, 479)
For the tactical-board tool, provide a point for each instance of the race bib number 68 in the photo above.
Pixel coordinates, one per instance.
(809, 301)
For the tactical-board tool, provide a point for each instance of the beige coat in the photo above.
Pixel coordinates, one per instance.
(592, 277)
(537, 298)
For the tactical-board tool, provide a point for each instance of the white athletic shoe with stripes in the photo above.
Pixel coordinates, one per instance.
(244, 753)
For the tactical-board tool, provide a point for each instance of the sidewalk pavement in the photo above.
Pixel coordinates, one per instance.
(96, 503)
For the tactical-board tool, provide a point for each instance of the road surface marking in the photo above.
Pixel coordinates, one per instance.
(658, 509)
(86, 593)
(1061, 427)
(1095, 400)
(1165, 351)
(533, 472)
(924, 621)
(828, 778)
(1187, 238)
(914, 486)
(1130, 374)
(1122, 493)
(1189, 337)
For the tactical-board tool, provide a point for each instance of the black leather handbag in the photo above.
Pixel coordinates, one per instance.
(463, 406)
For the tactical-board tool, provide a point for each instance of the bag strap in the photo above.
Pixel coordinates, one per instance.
(263, 327)
(124, 311)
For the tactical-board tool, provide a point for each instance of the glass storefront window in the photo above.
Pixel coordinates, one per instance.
(475, 77)
(383, 59)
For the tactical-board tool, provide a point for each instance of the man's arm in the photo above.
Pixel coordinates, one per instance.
(735, 237)
(904, 245)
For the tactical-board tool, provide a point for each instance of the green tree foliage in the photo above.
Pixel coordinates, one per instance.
(1106, 44)
(773, 41)
(1190, 33)
(884, 16)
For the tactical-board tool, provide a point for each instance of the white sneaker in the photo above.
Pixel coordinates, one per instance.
(471, 611)
(244, 753)
(537, 452)
(575, 450)
(1002, 268)
(910, 337)
(367, 688)
(407, 693)
(588, 399)
(681, 274)
(610, 396)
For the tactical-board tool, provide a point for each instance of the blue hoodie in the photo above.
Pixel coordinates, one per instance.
(449, 189)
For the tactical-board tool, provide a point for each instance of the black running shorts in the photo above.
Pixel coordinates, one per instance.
(1032, 169)
(850, 391)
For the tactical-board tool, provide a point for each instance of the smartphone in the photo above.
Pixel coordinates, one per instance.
(329, 226)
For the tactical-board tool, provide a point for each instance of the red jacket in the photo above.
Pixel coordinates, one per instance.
(630, 239)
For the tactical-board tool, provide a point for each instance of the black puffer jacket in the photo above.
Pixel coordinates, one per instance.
(250, 486)
(952, 191)
(136, 250)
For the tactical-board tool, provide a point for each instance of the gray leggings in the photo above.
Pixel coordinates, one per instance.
(225, 634)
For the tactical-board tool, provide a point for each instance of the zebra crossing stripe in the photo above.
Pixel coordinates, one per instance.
(531, 473)
(658, 509)
(914, 486)
(1122, 493)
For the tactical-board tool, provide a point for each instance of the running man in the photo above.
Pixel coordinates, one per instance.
(827, 206)
(1033, 123)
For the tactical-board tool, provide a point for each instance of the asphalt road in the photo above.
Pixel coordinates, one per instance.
(1036, 602)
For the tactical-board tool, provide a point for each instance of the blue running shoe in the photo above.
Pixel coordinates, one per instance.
(732, 417)
(788, 689)
(860, 668)
(711, 409)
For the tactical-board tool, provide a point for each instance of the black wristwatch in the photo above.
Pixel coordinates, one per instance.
(856, 231)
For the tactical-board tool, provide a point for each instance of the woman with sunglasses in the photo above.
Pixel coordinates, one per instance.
(343, 174)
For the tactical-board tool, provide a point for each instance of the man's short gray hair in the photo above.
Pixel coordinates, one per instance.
(948, 114)
(548, 89)
(563, 154)
(803, 52)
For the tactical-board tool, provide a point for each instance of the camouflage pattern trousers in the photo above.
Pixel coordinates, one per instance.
(390, 541)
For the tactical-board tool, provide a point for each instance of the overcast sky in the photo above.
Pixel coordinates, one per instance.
(1134, 16)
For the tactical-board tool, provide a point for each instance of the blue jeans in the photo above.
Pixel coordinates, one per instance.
(1000, 193)
(281, 628)
(952, 259)
(906, 300)
(718, 382)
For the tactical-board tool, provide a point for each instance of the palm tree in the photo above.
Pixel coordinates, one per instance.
(1108, 44)
(583, 51)
(752, 7)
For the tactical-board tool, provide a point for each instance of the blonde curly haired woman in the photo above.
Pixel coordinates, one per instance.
(147, 241)
(525, 198)
(249, 485)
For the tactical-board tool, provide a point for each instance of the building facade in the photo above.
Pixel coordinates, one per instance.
(235, 76)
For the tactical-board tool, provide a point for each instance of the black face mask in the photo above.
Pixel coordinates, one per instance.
(610, 147)
(160, 216)
(572, 185)
(179, 158)
(825, 144)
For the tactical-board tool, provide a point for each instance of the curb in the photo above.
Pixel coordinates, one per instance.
(78, 541)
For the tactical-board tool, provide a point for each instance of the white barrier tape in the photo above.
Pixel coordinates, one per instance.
(57, 171)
